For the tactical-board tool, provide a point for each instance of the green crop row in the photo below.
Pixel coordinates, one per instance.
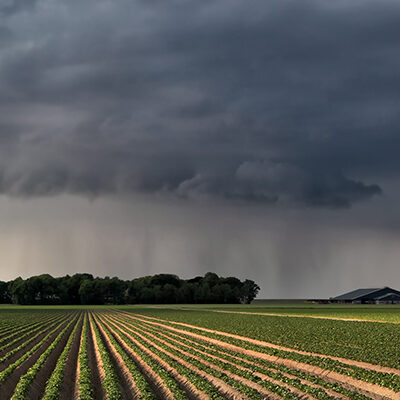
(110, 381)
(85, 387)
(24, 383)
(391, 381)
(245, 389)
(53, 386)
(205, 353)
(140, 380)
(233, 356)
(42, 328)
(371, 342)
(17, 325)
(15, 350)
(7, 371)
(170, 383)
(17, 331)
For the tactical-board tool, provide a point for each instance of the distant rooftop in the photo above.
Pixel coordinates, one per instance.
(358, 293)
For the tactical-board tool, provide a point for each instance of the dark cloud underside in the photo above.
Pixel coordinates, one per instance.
(288, 102)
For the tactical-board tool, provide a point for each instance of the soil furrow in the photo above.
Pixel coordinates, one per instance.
(25, 349)
(77, 373)
(286, 374)
(234, 376)
(98, 391)
(67, 390)
(157, 384)
(128, 386)
(224, 388)
(39, 384)
(7, 388)
(8, 348)
(366, 388)
(361, 364)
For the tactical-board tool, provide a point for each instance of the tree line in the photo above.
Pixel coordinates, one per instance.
(85, 289)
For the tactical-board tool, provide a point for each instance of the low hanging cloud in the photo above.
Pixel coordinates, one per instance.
(275, 102)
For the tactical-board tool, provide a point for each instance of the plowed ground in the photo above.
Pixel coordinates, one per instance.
(119, 355)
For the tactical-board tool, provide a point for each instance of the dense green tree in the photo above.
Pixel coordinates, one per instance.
(5, 294)
(160, 288)
(249, 291)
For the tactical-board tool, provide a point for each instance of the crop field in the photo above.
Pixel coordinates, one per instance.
(174, 352)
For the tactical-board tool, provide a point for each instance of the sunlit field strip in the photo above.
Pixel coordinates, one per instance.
(164, 366)
(387, 380)
(295, 382)
(227, 372)
(362, 341)
(133, 376)
(308, 384)
(134, 356)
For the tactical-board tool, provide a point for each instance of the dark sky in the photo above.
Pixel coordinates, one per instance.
(258, 139)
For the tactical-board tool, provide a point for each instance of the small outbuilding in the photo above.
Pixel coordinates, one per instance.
(385, 295)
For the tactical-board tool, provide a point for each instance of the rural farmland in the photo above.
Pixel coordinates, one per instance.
(171, 352)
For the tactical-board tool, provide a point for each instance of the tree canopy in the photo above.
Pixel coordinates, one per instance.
(156, 289)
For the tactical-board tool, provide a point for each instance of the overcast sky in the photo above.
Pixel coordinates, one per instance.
(259, 139)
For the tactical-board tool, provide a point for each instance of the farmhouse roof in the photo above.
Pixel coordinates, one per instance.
(360, 293)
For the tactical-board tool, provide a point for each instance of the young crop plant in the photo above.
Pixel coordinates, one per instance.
(170, 383)
(22, 388)
(174, 361)
(267, 367)
(372, 342)
(227, 362)
(10, 368)
(204, 366)
(389, 380)
(140, 381)
(110, 381)
(15, 350)
(85, 388)
(53, 386)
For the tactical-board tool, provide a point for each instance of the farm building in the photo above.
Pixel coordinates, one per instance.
(385, 295)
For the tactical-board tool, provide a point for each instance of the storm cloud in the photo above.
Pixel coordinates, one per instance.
(278, 102)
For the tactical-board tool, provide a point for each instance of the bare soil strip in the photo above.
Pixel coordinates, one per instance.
(98, 391)
(7, 388)
(366, 388)
(161, 389)
(97, 357)
(70, 371)
(361, 364)
(225, 389)
(78, 366)
(238, 378)
(39, 384)
(129, 389)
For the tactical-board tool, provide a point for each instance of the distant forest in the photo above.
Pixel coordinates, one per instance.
(157, 289)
